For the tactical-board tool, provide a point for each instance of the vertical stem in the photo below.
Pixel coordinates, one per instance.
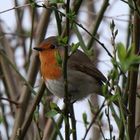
(134, 77)
(31, 75)
(66, 99)
(73, 122)
(98, 22)
(28, 119)
(109, 123)
(31, 38)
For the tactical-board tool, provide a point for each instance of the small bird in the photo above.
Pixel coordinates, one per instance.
(82, 76)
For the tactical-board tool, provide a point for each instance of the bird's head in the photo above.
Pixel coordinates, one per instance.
(49, 50)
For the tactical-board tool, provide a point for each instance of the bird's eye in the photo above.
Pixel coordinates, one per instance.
(52, 46)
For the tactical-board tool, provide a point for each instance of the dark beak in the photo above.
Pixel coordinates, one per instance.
(38, 49)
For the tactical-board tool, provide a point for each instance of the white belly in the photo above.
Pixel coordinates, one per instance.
(56, 87)
(80, 85)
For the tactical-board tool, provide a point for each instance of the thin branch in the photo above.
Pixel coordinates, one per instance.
(5, 121)
(12, 85)
(19, 27)
(17, 7)
(56, 130)
(3, 34)
(127, 2)
(66, 97)
(15, 69)
(136, 6)
(109, 123)
(82, 27)
(31, 37)
(98, 22)
(10, 101)
(73, 122)
(94, 119)
(28, 120)
(32, 73)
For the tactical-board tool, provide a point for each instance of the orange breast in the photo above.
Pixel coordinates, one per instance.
(49, 66)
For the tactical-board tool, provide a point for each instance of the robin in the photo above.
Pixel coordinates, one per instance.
(82, 76)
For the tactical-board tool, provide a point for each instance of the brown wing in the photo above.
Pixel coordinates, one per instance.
(79, 61)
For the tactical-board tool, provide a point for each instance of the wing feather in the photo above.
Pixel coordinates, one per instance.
(80, 62)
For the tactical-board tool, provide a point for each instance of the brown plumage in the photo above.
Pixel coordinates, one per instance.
(83, 77)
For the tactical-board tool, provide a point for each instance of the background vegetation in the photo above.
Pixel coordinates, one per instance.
(28, 111)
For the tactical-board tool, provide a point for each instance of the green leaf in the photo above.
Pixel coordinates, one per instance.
(92, 108)
(51, 113)
(74, 47)
(1, 119)
(101, 116)
(121, 52)
(116, 32)
(71, 15)
(90, 52)
(135, 59)
(72, 131)
(53, 105)
(127, 57)
(56, 1)
(58, 58)
(36, 113)
(84, 115)
(113, 75)
(54, 110)
(62, 40)
(33, 3)
(112, 25)
(130, 51)
(113, 98)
